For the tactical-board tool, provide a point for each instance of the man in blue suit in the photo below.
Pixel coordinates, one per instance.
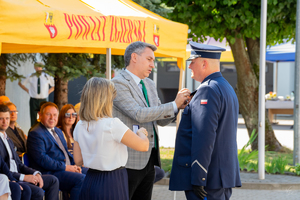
(205, 161)
(48, 152)
(29, 178)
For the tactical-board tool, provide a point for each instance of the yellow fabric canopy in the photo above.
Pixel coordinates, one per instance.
(86, 26)
(227, 56)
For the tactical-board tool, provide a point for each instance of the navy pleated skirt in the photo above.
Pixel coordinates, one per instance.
(105, 185)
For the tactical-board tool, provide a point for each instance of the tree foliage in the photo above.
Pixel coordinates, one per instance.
(99, 62)
(11, 63)
(8, 68)
(69, 66)
(236, 18)
(155, 6)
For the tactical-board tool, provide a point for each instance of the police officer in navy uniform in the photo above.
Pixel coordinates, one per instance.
(205, 161)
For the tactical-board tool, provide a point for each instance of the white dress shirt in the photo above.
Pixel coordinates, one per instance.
(100, 143)
(45, 81)
(137, 80)
(50, 131)
(12, 162)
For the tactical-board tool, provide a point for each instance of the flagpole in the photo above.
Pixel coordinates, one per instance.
(262, 91)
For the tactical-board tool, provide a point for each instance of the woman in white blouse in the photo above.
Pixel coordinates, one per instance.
(101, 143)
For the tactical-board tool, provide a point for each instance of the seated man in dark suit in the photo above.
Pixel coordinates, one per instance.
(28, 177)
(48, 152)
(15, 133)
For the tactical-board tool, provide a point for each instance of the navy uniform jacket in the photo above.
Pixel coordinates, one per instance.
(206, 148)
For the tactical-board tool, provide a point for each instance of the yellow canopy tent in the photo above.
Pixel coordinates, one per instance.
(86, 26)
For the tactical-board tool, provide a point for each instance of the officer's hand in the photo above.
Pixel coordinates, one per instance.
(199, 191)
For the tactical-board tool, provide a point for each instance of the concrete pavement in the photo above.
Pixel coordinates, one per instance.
(161, 192)
(272, 188)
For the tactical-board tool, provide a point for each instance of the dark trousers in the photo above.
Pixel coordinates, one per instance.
(70, 182)
(51, 187)
(17, 193)
(141, 181)
(159, 174)
(34, 106)
(212, 194)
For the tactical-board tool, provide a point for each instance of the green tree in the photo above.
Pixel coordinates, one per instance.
(67, 66)
(155, 6)
(239, 22)
(8, 68)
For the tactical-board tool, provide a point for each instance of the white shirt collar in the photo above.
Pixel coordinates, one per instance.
(3, 135)
(136, 79)
(49, 129)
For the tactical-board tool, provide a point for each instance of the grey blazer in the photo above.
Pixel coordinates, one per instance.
(131, 108)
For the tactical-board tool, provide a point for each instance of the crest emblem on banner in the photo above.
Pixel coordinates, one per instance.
(50, 25)
(156, 35)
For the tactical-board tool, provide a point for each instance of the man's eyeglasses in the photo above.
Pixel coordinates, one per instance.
(68, 115)
(14, 111)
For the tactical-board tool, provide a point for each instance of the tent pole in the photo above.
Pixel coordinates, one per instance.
(276, 78)
(296, 91)
(181, 65)
(262, 91)
(181, 84)
(155, 73)
(108, 63)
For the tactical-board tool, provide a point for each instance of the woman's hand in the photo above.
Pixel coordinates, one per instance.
(142, 131)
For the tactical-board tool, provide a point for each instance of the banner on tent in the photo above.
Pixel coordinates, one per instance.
(119, 29)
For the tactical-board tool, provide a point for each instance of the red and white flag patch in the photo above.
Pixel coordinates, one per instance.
(203, 101)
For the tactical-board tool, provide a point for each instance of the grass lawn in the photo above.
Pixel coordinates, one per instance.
(275, 162)
(167, 154)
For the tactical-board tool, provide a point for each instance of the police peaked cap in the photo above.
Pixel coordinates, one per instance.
(205, 51)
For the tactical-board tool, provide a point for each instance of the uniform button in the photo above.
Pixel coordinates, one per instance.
(203, 179)
(186, 164)
(64, 159)
(151, 136)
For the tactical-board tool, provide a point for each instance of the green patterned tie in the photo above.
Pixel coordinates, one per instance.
(146, 97)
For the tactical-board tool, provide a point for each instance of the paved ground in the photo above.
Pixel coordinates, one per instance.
(161, 192)
(273, 187)
(281, 187)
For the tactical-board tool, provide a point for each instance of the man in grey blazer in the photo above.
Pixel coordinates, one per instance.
(137, 105)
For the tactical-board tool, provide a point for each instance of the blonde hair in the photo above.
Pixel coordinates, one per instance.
(97, 99)
(77, 107)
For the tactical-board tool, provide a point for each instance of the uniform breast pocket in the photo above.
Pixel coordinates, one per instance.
(184, 161)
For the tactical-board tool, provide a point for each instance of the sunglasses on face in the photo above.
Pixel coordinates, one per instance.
(68, 115)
